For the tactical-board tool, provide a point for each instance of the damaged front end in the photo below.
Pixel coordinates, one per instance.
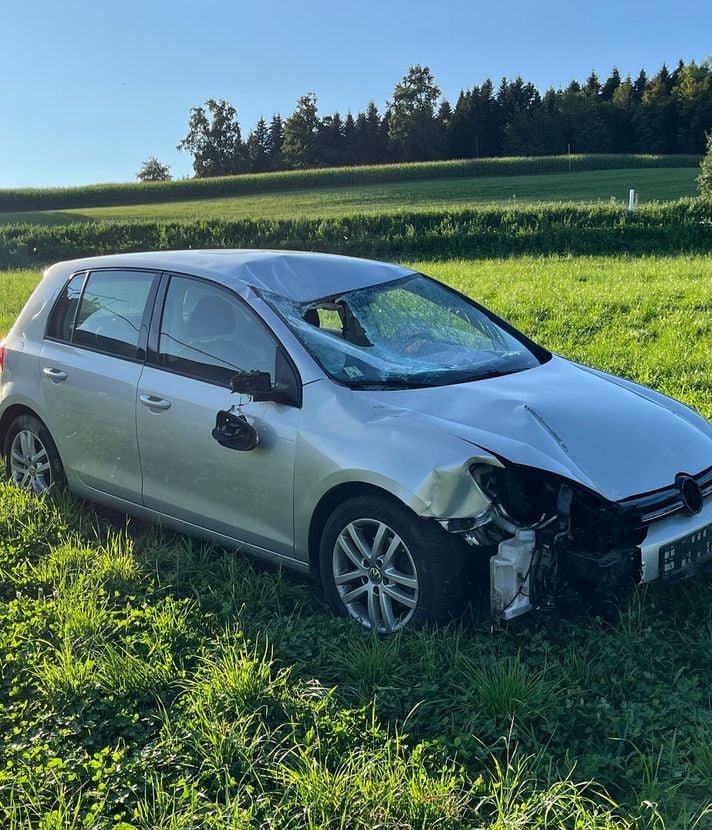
(551, 539)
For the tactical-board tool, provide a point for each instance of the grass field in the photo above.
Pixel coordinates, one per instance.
(153, 681)
(660, 184)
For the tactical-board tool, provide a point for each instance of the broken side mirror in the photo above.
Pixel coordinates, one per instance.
(251, 383)
(258, 385)
(234, 432)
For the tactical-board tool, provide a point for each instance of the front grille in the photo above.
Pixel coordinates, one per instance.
(650, 507)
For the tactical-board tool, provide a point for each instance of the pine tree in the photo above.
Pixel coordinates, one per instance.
(593, 85)
(275, 140)
(350, 140)
(330, 144)
(258, 147)
(640, 85)
(611, 85)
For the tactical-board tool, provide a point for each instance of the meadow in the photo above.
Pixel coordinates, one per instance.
(149, 681)
(653, 184)
(137, 193)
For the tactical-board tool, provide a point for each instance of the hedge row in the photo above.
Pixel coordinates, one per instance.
(671, 227)
(102, 195)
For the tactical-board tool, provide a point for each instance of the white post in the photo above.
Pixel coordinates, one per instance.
(631, 200)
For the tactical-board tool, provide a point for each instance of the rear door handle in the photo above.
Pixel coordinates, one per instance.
(153, 402)
(56, 375)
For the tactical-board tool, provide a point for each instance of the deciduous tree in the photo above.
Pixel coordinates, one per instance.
(300, 134)
(153, 171)
(215, 140)
(412, 126)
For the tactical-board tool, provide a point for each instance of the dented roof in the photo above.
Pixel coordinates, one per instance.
(298, 275)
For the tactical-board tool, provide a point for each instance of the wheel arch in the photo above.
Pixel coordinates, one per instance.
(9, 416)
(329, 502)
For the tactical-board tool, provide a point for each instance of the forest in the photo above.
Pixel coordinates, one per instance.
(669, 112)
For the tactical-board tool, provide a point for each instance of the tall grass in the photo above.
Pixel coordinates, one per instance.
(144, 708)
(22, 199)
(671, 227)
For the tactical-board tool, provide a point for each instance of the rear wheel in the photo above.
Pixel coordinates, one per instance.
(31, 458)
(387, 568)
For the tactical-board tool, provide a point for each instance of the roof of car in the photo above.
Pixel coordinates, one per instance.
(298, 275)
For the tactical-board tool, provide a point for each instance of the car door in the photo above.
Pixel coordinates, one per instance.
(202, 337)
(90, 363)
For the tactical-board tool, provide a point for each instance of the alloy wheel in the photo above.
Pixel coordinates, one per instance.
(29, 463)
(375, 575)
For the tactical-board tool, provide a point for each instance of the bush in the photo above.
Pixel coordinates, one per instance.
(705, 178)
(672, 227)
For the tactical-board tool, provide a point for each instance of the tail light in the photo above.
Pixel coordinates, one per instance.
(2, 354)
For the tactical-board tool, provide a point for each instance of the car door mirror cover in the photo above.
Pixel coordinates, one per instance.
(234, 431)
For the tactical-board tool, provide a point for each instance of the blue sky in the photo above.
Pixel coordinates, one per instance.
(88, 90)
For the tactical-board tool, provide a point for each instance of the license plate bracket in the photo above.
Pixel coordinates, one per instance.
(685, 555)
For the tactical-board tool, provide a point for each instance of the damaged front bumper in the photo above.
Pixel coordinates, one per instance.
(581, 542)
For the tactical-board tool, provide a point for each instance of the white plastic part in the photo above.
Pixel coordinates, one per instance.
(509, 576)
(631, 200)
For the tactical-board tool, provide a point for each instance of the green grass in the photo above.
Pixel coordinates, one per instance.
(438, 194)
(15, 288)
(152, 680)
(143, 193)
(646, 318)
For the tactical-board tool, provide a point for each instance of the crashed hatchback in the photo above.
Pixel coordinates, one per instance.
(352, 419)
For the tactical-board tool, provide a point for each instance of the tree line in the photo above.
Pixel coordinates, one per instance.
(668, 113)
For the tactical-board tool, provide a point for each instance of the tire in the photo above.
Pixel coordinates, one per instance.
(389, 569)
(31, 458)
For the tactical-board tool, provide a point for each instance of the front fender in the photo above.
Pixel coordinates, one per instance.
(345, 439)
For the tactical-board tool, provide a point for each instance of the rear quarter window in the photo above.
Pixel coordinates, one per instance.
(61, 321)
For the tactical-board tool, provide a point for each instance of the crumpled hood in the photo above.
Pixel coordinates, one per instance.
(609, 434)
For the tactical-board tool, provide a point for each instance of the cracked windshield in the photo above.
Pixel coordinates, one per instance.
(409, 332)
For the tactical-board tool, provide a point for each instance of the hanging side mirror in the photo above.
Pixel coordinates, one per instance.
(234, 431)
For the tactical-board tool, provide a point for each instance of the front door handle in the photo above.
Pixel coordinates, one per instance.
(154, 403)
(56, 375)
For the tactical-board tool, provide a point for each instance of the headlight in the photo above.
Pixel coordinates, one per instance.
(523, 495)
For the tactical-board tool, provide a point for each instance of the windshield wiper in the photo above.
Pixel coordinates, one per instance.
(498, 373)
(389, 383)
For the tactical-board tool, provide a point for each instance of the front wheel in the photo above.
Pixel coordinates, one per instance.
(387, 568)
(31, 458)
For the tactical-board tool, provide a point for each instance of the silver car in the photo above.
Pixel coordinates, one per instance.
(355, 420)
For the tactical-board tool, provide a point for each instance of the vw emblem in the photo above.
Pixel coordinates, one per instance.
(690, 492)
(374, 575)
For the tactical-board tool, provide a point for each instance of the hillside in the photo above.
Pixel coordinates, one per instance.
(612, 185)
(110, 195)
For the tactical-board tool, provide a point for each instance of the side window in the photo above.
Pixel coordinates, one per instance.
(111, 311)
(209, 334)
(61, 322)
